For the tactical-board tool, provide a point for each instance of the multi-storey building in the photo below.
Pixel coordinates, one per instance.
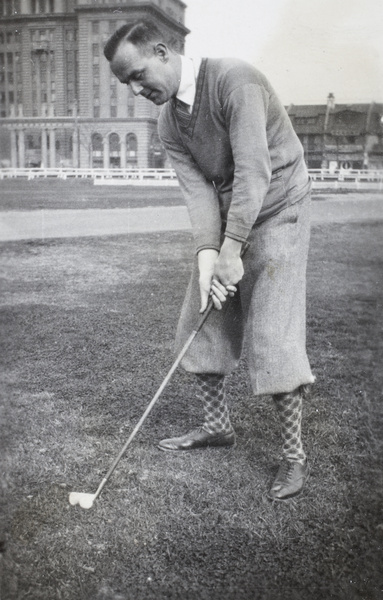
(59, 102)
(61, 105)
(335, 136)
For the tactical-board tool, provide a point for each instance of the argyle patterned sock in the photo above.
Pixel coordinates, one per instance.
(289, 408)
(211, 390)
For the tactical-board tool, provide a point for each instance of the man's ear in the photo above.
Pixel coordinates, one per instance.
(161, 50)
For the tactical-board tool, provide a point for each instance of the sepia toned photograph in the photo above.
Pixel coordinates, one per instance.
(191, 249)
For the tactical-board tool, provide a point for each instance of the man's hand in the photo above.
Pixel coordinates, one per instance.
(219, 273)
(228, 268)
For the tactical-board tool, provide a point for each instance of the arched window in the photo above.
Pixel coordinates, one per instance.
(97, 142)
(114, 150)
(156, 153)
(131, 150)
(97, 151)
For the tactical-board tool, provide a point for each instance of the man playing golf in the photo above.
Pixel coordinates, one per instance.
(241, 170)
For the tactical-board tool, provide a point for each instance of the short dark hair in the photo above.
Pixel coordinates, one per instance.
(140, 33)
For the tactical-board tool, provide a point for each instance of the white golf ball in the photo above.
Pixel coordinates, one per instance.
(73, 498)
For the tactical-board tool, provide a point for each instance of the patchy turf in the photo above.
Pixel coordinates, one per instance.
(50, 194)
(88, 327)
(37, 194)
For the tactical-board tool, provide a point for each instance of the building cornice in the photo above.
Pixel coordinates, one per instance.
(118, 9)
(54, 122)
(52, 17)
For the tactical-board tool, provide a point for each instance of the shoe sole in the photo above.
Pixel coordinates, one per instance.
(183, 450)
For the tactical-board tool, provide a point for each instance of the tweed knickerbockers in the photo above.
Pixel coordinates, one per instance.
(268, 311)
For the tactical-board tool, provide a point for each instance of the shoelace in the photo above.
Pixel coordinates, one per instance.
(285, 471)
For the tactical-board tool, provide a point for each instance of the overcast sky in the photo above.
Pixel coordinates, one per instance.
(307, 48)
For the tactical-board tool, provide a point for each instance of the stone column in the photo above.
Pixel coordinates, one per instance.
(52, 148)
(21, 148)
(44, 148)
(13, 149)
(75, 148)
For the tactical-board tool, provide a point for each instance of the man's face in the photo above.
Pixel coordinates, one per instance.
(149, 74)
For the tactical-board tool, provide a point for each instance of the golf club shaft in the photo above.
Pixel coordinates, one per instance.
(180, 356)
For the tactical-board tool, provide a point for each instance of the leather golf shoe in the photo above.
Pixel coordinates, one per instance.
(290, 480)
(199, 438)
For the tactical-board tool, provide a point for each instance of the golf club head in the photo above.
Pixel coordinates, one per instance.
(84, 500)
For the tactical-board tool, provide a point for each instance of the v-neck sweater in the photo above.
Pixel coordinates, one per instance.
(237, 159)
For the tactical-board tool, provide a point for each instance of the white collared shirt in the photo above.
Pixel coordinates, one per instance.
(189, 73)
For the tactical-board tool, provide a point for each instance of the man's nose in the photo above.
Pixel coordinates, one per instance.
(136, 87)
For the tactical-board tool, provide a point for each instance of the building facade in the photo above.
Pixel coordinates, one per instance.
(60, 105)
(348, 136)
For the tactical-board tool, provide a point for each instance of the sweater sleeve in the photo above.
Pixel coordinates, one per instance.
(245, 112)
(200, 194)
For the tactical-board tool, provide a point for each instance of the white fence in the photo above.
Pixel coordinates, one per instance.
(321, 178)
(347, 179)
(99, 176)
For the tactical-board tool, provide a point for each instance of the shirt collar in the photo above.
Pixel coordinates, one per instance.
(189, 73)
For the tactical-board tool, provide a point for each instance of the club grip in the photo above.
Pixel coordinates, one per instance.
(210, 305)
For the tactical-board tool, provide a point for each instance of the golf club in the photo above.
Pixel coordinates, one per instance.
(86, 500)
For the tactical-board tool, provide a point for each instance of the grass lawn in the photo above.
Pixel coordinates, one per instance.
(39, 194)
(87, 335)
(20, 194)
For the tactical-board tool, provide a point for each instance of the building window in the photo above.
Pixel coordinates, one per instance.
(131, 149)
(95, 27)
(131, 103)
(97, 145)
(114, 143)
(305, 120)
(97, 150)
(156, 153)
(114, 151)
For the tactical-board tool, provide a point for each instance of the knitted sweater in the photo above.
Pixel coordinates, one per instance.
(238, 159)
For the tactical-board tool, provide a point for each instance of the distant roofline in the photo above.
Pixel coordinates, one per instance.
(356, 107)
